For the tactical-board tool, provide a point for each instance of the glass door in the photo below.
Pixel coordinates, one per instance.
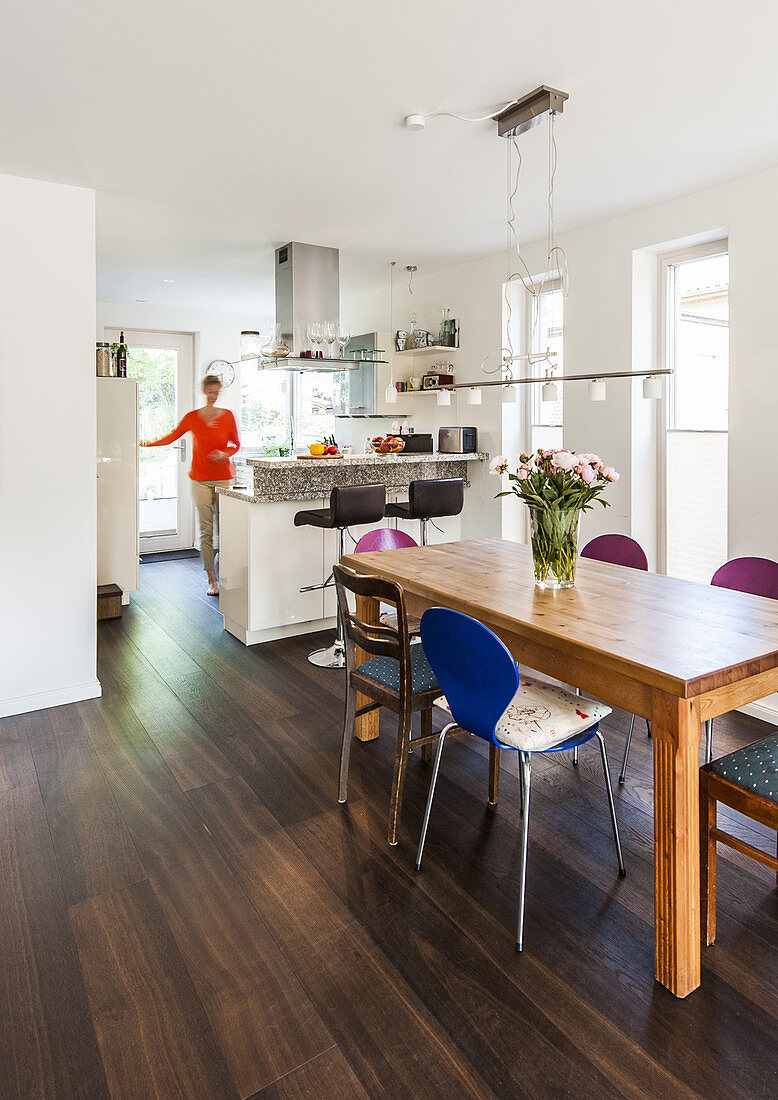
(163, 364)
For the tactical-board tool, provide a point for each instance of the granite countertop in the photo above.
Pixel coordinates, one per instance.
(362, 460)
(288, 479)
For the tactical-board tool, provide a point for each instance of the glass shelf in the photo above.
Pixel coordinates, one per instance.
(301, 363)
(372, 416)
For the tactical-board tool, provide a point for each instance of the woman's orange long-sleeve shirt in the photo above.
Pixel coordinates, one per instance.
(220, 435)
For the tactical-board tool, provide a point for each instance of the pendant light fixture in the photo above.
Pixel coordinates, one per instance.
(474, 396)
(443, 397)
(390, 393)
(597, 390)
(652, 387)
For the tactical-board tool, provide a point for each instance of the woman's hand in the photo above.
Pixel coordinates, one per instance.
(218, 456)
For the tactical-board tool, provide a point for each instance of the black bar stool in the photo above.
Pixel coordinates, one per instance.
(431, 499)
(350, 505)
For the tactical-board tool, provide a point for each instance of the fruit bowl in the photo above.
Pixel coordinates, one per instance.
(387, 445)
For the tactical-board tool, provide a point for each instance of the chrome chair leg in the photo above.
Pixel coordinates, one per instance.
(525, 775)
(575, 757)
(604, 754)
(623, 772)
(431, 795)
(708, 740)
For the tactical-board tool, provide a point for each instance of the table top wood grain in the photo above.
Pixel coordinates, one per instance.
(678, 636)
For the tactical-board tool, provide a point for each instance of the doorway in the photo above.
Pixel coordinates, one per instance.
(163, 363)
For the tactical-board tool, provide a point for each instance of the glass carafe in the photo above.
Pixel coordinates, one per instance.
(276, 347)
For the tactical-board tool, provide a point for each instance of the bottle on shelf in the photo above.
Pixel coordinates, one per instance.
(121, 358)
(447, 337)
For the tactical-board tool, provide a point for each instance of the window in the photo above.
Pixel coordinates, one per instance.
(545, 324)
(282, 409)
(695, 453)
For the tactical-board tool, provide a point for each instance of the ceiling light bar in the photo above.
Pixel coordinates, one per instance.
(551, 378)
(529, 111)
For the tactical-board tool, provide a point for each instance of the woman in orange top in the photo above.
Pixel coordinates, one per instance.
(214, 440)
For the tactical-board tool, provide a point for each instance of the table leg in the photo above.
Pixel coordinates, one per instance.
(675, 725)
(366, 726)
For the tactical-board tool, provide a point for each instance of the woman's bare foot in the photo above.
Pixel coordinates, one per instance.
(213, 585)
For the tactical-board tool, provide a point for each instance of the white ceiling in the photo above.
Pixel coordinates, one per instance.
(214, 132)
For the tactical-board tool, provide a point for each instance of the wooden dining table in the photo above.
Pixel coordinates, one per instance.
(675, 652)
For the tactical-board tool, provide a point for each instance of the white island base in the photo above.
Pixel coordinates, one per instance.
(264, 559)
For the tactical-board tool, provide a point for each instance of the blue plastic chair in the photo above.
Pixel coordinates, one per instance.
(479, 678)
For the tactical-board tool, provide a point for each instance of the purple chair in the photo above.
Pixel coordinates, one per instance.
(757, 576)
(383, 538)
(618, 550)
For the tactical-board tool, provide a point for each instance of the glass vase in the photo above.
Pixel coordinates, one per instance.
(275, 348)
(554, 546)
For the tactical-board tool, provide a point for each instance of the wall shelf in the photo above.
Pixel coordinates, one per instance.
(435, 349)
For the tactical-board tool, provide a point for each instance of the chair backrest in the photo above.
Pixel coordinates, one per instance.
(474, 668)
(354, 504)
(384, 538)
(616, 549)
(377, 640)
(442, 496)
(759, 576)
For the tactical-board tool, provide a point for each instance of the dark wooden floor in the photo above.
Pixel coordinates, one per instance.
(186, 911)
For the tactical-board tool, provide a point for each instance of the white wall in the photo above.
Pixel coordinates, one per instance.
(217, 336)
(469, 292)
(47, 445)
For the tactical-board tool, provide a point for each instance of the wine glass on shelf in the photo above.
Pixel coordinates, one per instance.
(318, 336)
(344, 335)
(310, 331)
(330, 333)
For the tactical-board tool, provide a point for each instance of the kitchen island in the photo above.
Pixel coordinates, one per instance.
(264, 559)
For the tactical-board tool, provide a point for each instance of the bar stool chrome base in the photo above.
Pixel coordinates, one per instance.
(333, 656)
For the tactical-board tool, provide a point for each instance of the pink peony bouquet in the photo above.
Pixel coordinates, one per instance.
(558, 480)
(557, 486)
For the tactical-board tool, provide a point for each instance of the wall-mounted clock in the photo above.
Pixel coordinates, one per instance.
(223, 370)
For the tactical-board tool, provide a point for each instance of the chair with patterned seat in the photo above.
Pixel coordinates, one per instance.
(758, 577)
(618, 549)
(480, 680)
(747, 781)
(396, 675)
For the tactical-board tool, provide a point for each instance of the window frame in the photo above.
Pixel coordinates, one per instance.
(667, 345)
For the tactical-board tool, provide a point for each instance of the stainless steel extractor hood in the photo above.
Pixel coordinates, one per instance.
(307, 289)
(307, 280)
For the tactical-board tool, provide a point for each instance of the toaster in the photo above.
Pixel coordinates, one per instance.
(458, 440)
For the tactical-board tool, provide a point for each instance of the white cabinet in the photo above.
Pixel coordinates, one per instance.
(118, 545)
(264, 561)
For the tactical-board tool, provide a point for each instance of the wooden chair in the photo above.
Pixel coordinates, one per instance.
(381, 664)
(746, 780)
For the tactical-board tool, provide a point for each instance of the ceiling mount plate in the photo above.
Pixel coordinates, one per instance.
(529, 111)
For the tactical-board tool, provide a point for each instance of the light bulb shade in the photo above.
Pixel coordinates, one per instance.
(652, 387)
(443, 397)
(597, 391)
(550, 392)
(474, 396)
(509, 395)
(415, 122)
(390, 394)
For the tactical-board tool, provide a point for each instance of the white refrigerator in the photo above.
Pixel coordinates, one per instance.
(118, 544)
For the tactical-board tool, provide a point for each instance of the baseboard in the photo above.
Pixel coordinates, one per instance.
(765, 709)
(42, 700)
(256, 637)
